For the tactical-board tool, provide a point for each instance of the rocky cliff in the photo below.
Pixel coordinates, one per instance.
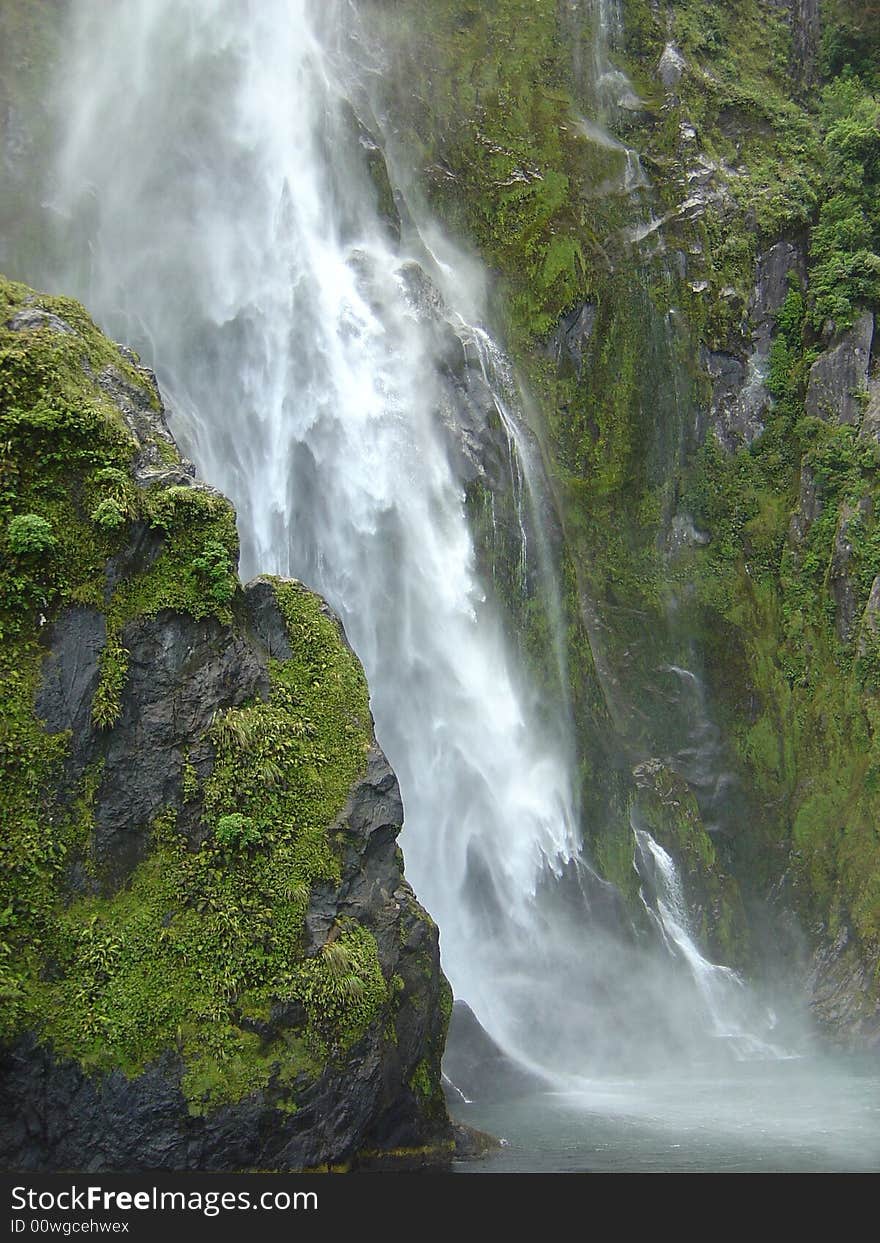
(210, 957)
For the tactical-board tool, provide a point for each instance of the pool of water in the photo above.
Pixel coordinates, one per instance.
(798, 1115)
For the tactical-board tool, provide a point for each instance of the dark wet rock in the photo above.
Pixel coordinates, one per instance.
(480, 894)
(180, 672)
(478, 445)
(839, 376)
(740, 402)
(809, 506)
(362, 134)
(422, 294)
(142, 409)
(806, 28)
(71, 672)
(843, 999)
(378, 172)
(870, 624)
(471, 1144)
(773, 273)
(476, 1068)
(267, 624)
(144, 546)
(572, 338)
(575, 895)
(466, 408)
(870, 429)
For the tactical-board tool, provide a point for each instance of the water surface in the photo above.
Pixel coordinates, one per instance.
(803, 1115)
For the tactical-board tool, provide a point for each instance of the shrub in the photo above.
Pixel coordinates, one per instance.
(213, 567)
(109, 514)
(29, 533)
(236, 832)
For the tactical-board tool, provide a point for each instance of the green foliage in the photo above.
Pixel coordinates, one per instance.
(845, 266)
(421, 1081)
(189, 784)
(214, 568)
(29, 535)
(342, 989)
(194, 572)
(850, 37)
(113, 663)
(108, 514)
(236, 832)
(116, 498)
(289, 763)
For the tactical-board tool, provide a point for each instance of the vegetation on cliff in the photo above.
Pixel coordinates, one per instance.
(181, 935)
(625, 297)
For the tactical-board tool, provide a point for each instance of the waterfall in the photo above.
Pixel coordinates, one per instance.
(216, 208)
(729, 1008)
(212, 168)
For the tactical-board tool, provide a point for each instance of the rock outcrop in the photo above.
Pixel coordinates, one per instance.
(741, 401)
(210, 952)
(838, 385)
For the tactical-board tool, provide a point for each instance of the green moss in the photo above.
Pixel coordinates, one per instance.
(342, 989)
(200, 936)
(446, 1002)
(801, 722)
(289, 763)
(113, 664)
(189, 782)
(421, 1081)
(29, 535)
(236, 832)
(165, 963)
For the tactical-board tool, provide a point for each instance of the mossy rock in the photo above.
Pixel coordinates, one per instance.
(198, 845)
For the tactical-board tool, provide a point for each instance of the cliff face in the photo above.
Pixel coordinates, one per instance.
(678, 200)
(210, 957)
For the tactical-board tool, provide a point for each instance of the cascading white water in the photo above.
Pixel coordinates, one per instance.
(730, 1008)
(218, 214)
(613, 89)
(231, 232)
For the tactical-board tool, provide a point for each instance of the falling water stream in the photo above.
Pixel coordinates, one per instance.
(216, 211)
(296, 341)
